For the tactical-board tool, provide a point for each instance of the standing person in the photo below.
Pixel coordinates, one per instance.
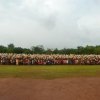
(17, 61)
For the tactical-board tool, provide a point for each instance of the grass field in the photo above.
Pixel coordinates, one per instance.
(49, 72)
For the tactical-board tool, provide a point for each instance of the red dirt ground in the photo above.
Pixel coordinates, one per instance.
(56, 89)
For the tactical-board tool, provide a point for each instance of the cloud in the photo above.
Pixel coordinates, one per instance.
(53, 23)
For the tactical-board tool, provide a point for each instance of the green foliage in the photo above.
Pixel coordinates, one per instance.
(11, 48)
(55, 51)
(48, 51)
(18, 50)
(3, 49)
(39, 49)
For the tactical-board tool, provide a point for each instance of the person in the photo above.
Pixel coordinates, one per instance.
(17, 61)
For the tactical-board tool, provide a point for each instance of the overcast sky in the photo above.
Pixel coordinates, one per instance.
(52, 23)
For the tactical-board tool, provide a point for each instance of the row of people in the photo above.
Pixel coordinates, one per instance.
(55, 59)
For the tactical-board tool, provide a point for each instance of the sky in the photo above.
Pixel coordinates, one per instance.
(52, 23)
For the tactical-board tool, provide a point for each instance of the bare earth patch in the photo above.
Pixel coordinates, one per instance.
(56, 89)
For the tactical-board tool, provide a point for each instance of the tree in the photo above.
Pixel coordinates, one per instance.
(27, 51)
(3, 49)
(18, 50)
(48, 51)
(39, 49)
(11, 48)
(56, 51)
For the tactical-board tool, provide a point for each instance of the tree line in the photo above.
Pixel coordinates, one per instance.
(39, 49)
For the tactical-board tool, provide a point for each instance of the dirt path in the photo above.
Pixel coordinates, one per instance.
(57, 89)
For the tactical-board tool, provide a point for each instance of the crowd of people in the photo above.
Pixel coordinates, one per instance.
(53, 59)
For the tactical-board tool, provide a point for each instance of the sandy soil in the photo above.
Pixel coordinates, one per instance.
(56, 89)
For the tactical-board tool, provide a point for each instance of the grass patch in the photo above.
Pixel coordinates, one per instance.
(50, 72)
